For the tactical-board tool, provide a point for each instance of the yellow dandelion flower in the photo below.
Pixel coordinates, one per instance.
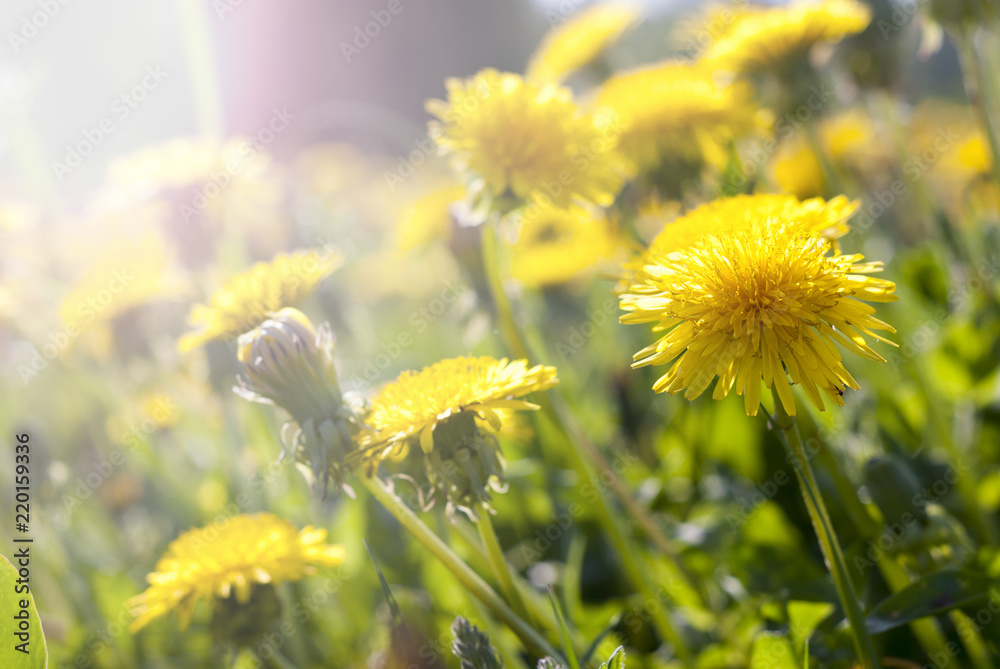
(527, 140)
(416, 403)
(453, 410)
(232, 180)
(248, 299)
(764, 38)
(675, 113)
(161, 409)
(751, 300)
(428, 218)
(559, 245)
(577, 41)
(797, 169)
(215, 562)
(946, 142)
(730, 215)
(849, 139)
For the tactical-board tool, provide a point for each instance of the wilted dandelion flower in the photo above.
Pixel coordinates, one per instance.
(558, 245)
(288, 363)
(579, 40)
(766, 38)
(748, 298)
(233, 562)
(528, 141)
(679, 116)
(451, 410)
(248, 299)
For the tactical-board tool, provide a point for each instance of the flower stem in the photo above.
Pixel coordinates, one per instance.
(498, 563)
(978, 90)
(539, 608)
(788, 432)
(627, 553)
(572, 435)
(469, 579)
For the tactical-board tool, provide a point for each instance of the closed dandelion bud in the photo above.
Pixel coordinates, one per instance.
(895, 489)
(288, 363)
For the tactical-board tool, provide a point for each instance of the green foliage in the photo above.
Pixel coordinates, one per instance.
(23, 644)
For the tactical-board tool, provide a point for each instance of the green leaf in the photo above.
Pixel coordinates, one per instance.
(804, 617)
(617, 659)
(935, 593)
(37, 656)
(774, 651)
(564, 632)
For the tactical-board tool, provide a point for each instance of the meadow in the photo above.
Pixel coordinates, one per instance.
(687, 361)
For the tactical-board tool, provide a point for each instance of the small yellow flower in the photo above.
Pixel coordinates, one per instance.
(429, 218)
(946, 143)
(849, 139)
(674, 112)
(214, 563)
(527, 140)
(765, 38)
(196, 179)
(748, 298)
(453, 410)
(579, 40)
(248, 299)
(413, 405)
(559, 245)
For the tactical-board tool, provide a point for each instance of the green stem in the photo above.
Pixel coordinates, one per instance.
(627, 553)
(538, 606)
(469, 579)
(977, 88)
(574, 437)
(830, 176)
(926, 630)
(505, 314)
(498, 563)
(788, 432)
(975, 646)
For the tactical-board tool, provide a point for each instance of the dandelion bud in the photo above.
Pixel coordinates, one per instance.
(288, 363)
